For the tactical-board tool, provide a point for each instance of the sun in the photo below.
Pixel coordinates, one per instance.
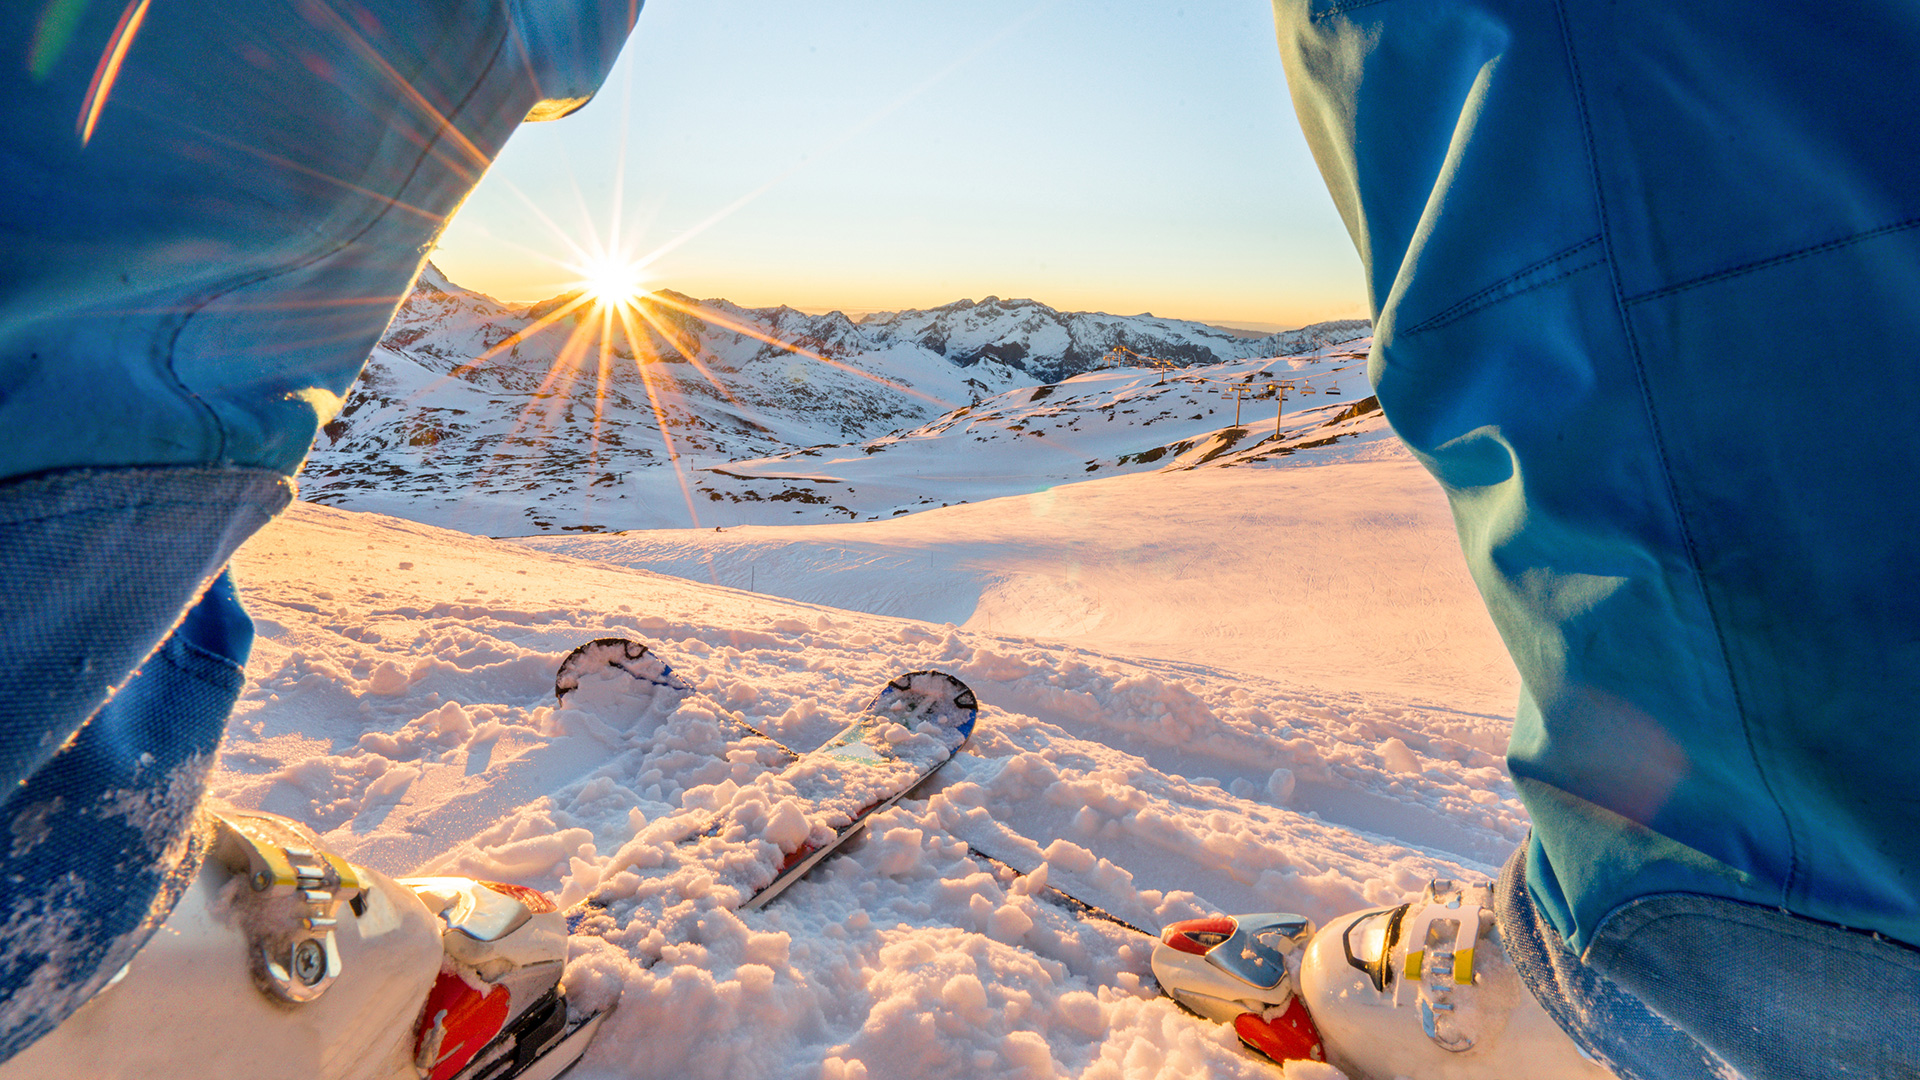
(613, 282)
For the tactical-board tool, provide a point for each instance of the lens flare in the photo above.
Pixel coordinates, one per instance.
(613, 283)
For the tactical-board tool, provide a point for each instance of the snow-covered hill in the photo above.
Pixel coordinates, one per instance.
(1258, 570)
(1263, 688)
(1103, 423)
(1051, 345)
(512, 420)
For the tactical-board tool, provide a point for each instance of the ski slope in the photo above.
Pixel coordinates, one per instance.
(1262, 688)
(1266, 572)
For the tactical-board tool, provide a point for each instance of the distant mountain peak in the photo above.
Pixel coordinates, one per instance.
(499, 418)
(433, 280)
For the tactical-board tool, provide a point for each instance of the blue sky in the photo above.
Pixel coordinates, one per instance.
(1122, 157)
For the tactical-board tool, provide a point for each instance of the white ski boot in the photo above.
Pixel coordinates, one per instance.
(1425, 989)
(1421, 990)
(1241, 970)
(283, 957)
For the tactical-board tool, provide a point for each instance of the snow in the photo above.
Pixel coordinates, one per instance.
(691, 416)
(1139, 566)
(1269, 687)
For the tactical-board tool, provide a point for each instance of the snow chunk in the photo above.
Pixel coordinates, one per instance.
(788, 827)
(898, 851)
(1083, 1011)
(1069, 856)
(1398, 756)
(389, 680)
(1009, 924)
(710, 796)
(965, 995)
(1280, 786)
(770, 949)
(1029, 1051)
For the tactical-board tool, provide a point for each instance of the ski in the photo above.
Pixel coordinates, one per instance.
(612, 654)
(911, 727)
(1056, 896)
(1225, 969)
(884, 754)
(611, 665)
(619, 660)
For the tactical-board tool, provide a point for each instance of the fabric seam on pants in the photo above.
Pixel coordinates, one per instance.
(1776, 260)
(1640, 913)
(1659, 441)
(1514, 284)
(248, 477)
(114, 508)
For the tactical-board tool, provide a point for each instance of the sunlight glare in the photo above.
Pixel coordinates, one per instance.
(613, 283)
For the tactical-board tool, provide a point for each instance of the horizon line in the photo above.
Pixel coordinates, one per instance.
(857, 314)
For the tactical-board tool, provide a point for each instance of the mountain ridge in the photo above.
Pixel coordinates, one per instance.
(507, 419)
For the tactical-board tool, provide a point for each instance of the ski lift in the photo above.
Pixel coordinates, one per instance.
(1121, 356)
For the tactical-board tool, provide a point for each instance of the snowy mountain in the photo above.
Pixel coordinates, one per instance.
(1052, 345)
(516, 419)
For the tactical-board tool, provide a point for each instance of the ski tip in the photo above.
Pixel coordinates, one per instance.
(957, 706)
(600, 654)
(596, 655)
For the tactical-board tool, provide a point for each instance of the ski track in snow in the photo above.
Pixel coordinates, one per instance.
(1332, 742)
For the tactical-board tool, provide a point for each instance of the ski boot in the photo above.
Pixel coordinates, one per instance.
(1425, 989)
(1235, 969)
(1421, 990)
(284, 956)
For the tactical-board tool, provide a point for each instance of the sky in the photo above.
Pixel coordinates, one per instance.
(1124, 157)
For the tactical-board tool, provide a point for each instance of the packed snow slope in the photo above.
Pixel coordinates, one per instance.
(506, 419)
(400, 699)
(1269, 571)
(1099, 424)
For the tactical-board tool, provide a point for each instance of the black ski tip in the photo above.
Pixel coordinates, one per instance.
(630, 656)
(962, 693)
(931, 682)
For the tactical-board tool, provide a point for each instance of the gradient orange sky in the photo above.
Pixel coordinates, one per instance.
(1120, 157)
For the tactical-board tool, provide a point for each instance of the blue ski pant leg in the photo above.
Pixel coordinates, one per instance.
(208, 212)
(1682, 986)
(1644, 279)
(102, 837)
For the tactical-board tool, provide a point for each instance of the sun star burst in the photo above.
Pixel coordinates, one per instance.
(613, 283)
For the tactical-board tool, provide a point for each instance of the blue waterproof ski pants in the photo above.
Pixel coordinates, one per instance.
(208, 212)
(1646, 289)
